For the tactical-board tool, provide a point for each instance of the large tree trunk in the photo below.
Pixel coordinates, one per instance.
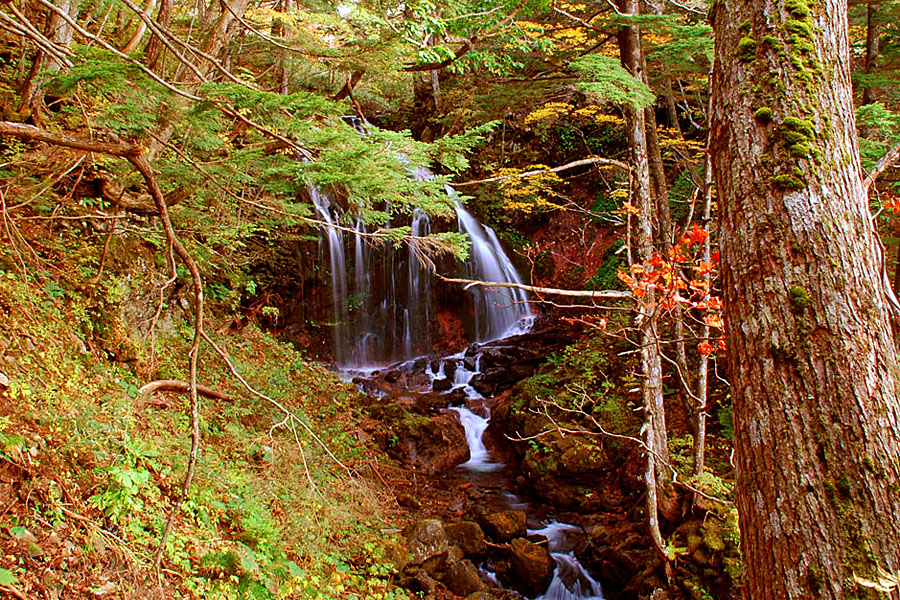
(811, 356)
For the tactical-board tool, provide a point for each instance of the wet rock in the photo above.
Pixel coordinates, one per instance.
(462, 578)
(419, 581)
(469, 536)
(505, 525)
(531, 566)
(426, 539)
(442, 385)
(393, 376)
(450, 368)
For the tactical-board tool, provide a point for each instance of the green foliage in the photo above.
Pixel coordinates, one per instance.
(610, 82)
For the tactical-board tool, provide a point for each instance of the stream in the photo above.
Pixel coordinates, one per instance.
(571, 581)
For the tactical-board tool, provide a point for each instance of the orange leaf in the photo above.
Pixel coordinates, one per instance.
(714, 320)
(697, 234)
(705, 348)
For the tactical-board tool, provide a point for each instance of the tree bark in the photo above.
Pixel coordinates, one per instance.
(155, 46)
(811, 356)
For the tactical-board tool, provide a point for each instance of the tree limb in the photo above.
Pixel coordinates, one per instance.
(889, 159)
(541, 290)
(597, 160)
(174, 385)
(133, 154)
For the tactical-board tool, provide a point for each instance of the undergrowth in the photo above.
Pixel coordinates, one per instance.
(90, 468)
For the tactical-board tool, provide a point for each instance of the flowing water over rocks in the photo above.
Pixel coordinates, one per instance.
(500, 545)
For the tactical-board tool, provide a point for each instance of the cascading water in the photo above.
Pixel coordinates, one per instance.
(338, 271)
(385, 312)
(570, 579)
(497, 310)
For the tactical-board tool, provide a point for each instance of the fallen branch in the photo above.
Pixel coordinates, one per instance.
(578, 163)
(182, 387)
(469, 283)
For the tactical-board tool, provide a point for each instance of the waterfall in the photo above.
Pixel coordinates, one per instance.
(497, 310)
(384, 312)
(335, 242)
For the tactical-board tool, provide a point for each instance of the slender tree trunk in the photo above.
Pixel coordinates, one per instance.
(702, 392)
(154, 48)
(60, 33)
(658, 475)
(811, 356)
(141, 29)
(873, 48)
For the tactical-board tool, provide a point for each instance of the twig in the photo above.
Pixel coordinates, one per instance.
(274, 403)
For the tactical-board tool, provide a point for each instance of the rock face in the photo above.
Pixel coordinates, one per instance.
(505, 525)
(531, 567)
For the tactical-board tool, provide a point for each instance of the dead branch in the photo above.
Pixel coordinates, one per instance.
(597, 160)
(469, 283)
(182, 387)
(889, 159)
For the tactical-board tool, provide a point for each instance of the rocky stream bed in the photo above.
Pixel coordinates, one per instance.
(488, 516)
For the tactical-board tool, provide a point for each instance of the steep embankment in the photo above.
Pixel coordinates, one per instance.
(90, 467)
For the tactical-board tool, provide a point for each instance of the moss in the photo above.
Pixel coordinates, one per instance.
(799, 125)
(746, 49)
(788, 182)
(800, 28)
(843, 486)
(869, 463)
(800, 150)
(799, 298)
(798, 8)
(744, 27)
(764, 115)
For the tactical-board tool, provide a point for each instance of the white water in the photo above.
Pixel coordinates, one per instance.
(497, 310)
(385, 312)
(570, 580)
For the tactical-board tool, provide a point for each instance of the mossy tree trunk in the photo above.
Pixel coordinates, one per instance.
(811, 356)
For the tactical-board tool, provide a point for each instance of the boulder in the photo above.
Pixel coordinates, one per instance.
(469, 536)
(505, 525)
(442, 385)
(531, 567)
(431, 443)
(426, 539)
(462, 578)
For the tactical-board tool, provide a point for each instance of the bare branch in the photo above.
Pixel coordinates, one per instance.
(183, 387)
(578, 163)
(541, 290)
(888, 160)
